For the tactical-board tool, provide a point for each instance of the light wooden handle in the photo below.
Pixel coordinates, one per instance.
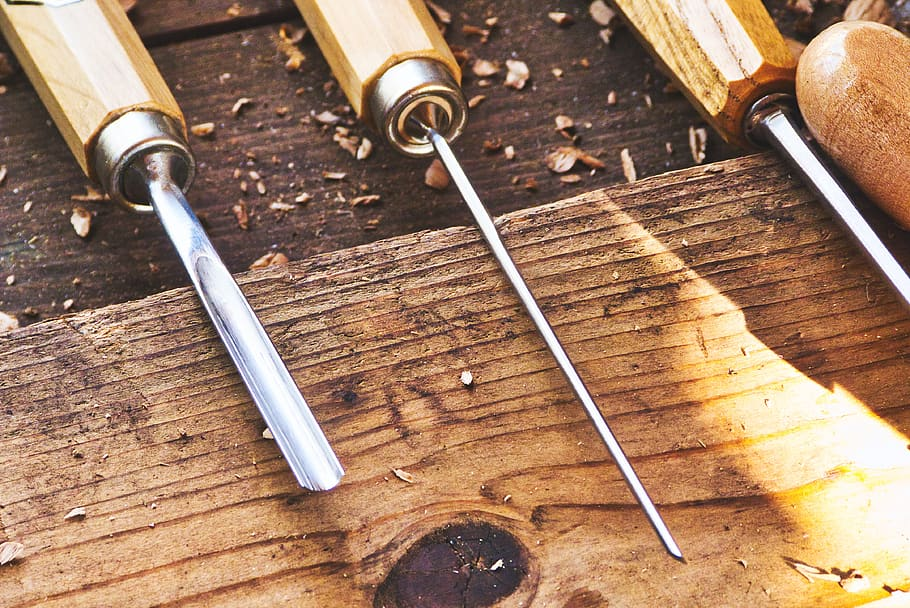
(362, 39)
(88, 65)
(724, 55)
(854, 95)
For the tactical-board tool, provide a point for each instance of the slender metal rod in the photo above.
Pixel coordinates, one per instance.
(284, 409)
(491, 236)
(775, 126)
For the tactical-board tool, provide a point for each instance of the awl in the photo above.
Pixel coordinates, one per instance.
(401, 78)
(730, 60)
(122, 124)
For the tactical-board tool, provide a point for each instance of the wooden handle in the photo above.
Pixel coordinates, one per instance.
(854, 95)
(88, 65)
(361, 39)
(724, 55)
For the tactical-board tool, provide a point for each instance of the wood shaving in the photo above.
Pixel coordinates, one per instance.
(68, 304)
(240, 104)
(467, 378)
(282, 206)
(403, 475)
(81, 220)
(365, 200)
(303, 197)
(9, 551)
(288, 39)
(327, 118)
(334, 175)
(570, 179)
(509, 152)
(11, 279)
(606, 35)
(854, 582)
(560, 18)
(272, 258)
(602, 14)
(497, 564)
(8, 322)
(518, 74)
(203, 129)
(557, 72)
(869, 10)
(233, 10)
(92, 195)
(436, 176)
(75, 513)
(611, 98)
(441, 14)
(565, 123)
(484, 68)
(473, 30)
(267, 433)
(530, 184)
(472, 103)
(2, 174)
(628, 165)
(813, 573)
(698, 142)
(364, 149)
(348, 143)
(564, 158)
(492, 145)
(241, 215)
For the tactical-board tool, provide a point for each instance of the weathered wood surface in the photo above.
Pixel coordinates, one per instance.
(754, 369)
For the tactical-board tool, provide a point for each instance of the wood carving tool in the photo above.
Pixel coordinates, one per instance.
(854, 95)
(730, 60)
(401, 78)
(124, 127)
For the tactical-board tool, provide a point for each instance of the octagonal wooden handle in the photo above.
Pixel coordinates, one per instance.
(724, 55)
(87, 64)
(361, 39)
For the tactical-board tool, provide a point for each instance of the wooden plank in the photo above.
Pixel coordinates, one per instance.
(752, 367)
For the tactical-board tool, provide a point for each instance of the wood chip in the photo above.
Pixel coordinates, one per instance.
(203, 129)
(67, 304)
(698, 142)
(813, 573)
(869, 10)
(81, 220)
(2, 174)
(518, 74)
(467, 378)
(854, 582)
(288, 39)
(364, 149)
(492, 145)
(570, 179)
(327, 118)
(602, 14)
(272, 258)
(240, 104)
(611, 98)
(484, 68)
(92, 195)
(9, 551)
(441, 14)
(334, 175)
(241, 215)
(282, 206)
(436, 176)
(557, 72)
(560, 18)
(76, 513)
(267, 433)
(365, 200)
(8, 322)
(303, 197)
(564, 158)
(472, 103)
(509, 152)
(11, 279)
(628, 165)
(565, 123)
(403, 475)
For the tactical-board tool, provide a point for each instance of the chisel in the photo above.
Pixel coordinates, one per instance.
(730, 60)
(122, 124)
(402, 79)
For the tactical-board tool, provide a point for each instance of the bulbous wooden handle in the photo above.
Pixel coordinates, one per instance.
(853, 90)
(88, 65)
(362, 39)
(724, 55)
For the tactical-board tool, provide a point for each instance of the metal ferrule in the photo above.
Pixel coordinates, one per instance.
(417, 88)
(130, 138)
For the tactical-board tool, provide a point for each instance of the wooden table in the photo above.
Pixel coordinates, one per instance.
(751, 363)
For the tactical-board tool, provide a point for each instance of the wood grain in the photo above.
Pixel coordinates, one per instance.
(89, 67)
(751, 365)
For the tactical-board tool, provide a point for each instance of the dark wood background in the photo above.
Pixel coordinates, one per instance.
(197, 43)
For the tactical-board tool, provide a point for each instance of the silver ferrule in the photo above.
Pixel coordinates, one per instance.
(129, 139)
(420, 89)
